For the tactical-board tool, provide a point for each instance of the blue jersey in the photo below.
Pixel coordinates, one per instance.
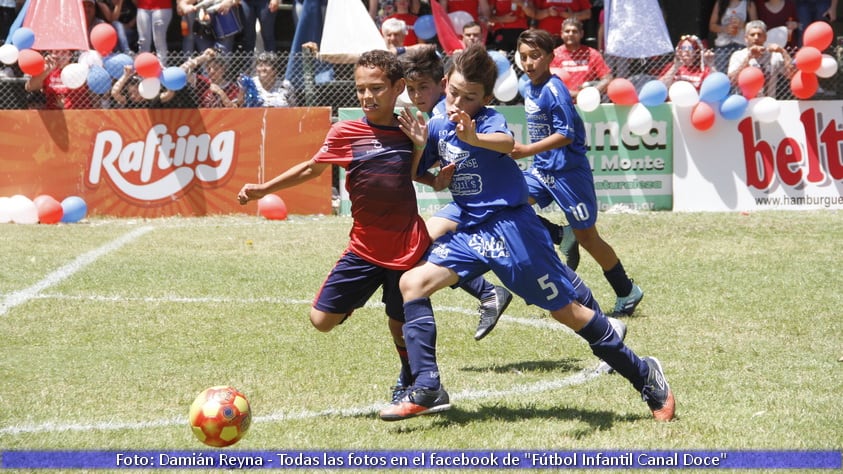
(484, 181)
(550, 110)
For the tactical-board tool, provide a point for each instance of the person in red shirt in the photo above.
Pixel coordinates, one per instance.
(508, 19)
(56, 94)
(402, 12)
(478, 9)
(551, 13)
(692, 63)
(388, 236)
(579, 65)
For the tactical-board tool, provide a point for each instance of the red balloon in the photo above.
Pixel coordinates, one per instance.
(750, 80)
(804, 85)
(49, 209)
(818, 34)
(702, 116)
(103, 38)
(31, 62)
(272, 207)
(147, 65)
(808, 59)
(622, 92)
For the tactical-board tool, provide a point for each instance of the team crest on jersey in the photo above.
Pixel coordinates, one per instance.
(440, 250)
(489, 248)
(530, 107)
(449, 153)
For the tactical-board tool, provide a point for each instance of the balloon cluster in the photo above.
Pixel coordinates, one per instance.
(91, 69)
(622, 92)
(506, 85)
(44, 209)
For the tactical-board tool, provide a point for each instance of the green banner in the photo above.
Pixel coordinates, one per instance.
(631, 171)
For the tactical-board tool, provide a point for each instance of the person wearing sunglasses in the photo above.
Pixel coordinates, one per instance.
(692, 63)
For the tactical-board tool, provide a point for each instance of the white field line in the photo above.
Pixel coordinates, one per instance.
(538, 387)
(82, 261)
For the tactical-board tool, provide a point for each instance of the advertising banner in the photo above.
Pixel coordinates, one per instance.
(161, 162)
(791, 163)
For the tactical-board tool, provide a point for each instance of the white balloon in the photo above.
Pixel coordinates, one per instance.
(506, 87)
(827, 68)
(8, 54)
(459, 19)
(90, 58)
(518, 61)
(765, 109)
(777, 35)
(149, 88)
(588, 99)
(74, 75)
(683, 94)
(639, 120)
(23, 210)
(404, 100)
(5, 210)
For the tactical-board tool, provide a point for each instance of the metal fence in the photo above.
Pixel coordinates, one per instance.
(317, 83)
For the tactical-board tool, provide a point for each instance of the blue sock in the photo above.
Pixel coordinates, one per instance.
(619, 280)
(420, 336)
(478, 287)
(607, 345)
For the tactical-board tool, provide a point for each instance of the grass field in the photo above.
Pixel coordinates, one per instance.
(111, 327)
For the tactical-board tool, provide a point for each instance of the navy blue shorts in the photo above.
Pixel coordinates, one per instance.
(572, 190)
(353, 281)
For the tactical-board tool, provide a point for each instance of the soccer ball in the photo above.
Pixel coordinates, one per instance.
(220, 416)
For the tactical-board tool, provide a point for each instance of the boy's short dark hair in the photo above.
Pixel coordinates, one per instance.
(421, 62)
(475, 65)
(536, 38)
(384, 60)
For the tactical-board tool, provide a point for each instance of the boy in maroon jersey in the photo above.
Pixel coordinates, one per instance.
(388, 236)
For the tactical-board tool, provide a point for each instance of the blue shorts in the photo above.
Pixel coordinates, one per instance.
(572, 190)
(517, 248)
(353, 281)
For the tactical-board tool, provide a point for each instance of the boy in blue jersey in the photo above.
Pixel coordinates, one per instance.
(561, 172)
(497, 230)
(424, 74)
(388, 235)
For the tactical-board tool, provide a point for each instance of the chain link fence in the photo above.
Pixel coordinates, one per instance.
(315, 83)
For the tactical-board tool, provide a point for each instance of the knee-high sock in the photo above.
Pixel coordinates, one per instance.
(420, 336)
(606, 344)
(478, 287)
(405, 378)
(619, 280)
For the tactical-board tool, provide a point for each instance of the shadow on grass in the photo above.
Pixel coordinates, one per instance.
(563, 365)
(595, 420)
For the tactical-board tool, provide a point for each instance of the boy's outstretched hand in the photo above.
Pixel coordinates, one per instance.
(250, 192)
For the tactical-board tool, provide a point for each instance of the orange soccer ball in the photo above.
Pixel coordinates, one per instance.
(220, 416)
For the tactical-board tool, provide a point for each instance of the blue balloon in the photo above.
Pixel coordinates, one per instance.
(23, 38)
(174, 78)
(501, 62)
(715, 88)
(653, 93)
(74, 208)
(733, 107)
(114, 64)
(424, 27)
(99, 81)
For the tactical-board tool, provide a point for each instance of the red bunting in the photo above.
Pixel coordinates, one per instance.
(445, 33)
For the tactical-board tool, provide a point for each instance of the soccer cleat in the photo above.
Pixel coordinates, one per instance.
(398, 392)
(625, 305)
(570, 248)
(657, 393)
(415, 402)
(491, 309)
(620, 328)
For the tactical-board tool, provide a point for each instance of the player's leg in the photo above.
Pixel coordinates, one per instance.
(493, 299)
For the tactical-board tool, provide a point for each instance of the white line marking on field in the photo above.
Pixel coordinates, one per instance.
(538, 387)
(22, 296)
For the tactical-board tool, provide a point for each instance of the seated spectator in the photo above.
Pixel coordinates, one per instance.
(508, 20)
(403, 13)
(125, 24)
(56, 94)
(214, 89)
(692, 63)
(550, 14)
(394, 31)
(581, 65)
(776, 13)
(472, 34)
(125, 92)
(270, 89)
(773, 59)
(91, 18)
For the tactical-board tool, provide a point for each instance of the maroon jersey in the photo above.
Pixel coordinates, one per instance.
(387, 228)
